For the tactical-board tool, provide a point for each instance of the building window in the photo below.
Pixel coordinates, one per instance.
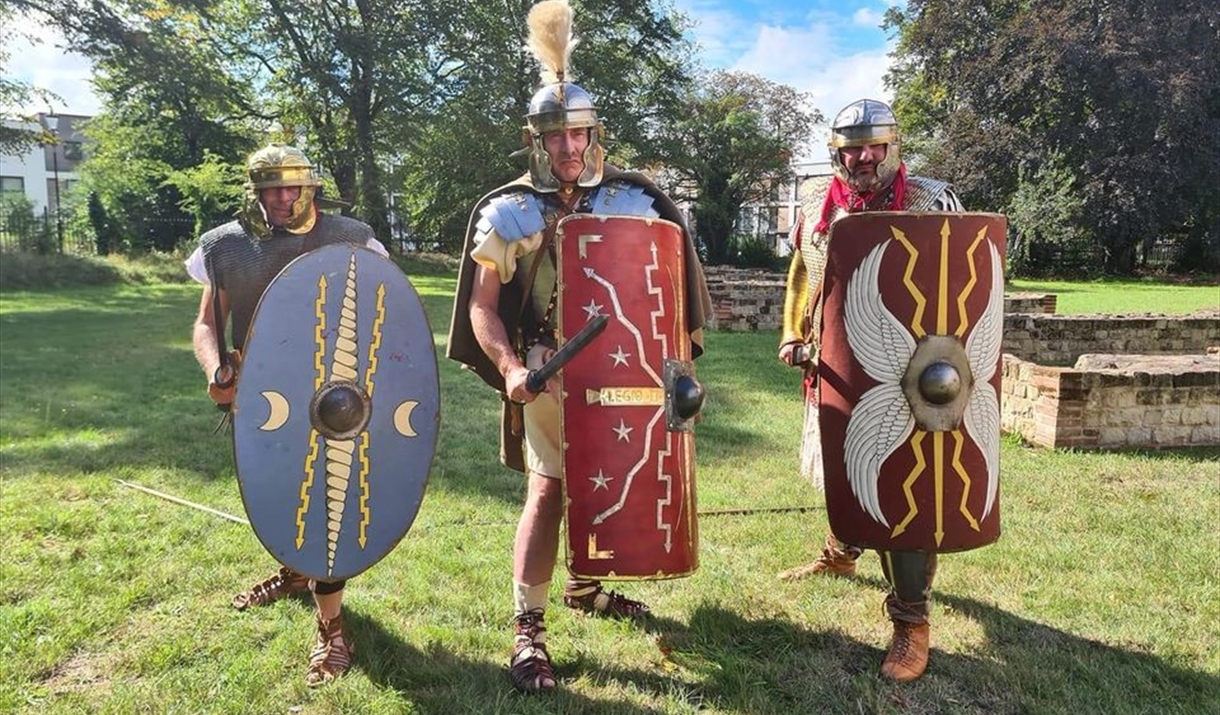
(72, 151)
(12, 186)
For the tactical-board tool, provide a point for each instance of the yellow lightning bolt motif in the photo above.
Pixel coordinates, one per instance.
(319, 336)
(303, 509)
(962, 321)
(369, 372)
(958, 467)
(364, 489)
(920, 302)
(376, 343)
(319, 333)
(912, 509)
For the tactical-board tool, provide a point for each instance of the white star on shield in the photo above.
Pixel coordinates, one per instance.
(620, 357)
(623, 431)
(593, 309)
(600, 481)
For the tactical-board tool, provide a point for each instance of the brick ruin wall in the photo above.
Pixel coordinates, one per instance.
(1096, 381)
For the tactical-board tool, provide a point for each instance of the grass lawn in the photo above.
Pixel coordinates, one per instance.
(1124, 297)
(1102, 596)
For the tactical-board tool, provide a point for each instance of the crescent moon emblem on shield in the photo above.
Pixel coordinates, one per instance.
(402, 418)
(279, 411)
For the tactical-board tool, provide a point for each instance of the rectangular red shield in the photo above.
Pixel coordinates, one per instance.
(629, 481)
(909, 379)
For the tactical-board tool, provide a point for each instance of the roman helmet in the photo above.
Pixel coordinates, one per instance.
(559, 104)
(280, 165)
(861, 123)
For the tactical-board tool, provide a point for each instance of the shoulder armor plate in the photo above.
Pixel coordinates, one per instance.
(514, 216)
(924, 194)
(622, 198)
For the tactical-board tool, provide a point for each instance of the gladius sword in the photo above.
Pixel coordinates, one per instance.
(536, 381)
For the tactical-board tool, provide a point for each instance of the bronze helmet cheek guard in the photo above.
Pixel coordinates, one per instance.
(276, 166)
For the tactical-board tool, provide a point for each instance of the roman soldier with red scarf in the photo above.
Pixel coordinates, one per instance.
(868, 176)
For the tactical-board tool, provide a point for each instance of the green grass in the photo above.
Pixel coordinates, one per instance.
(1125, 297)
(1103, 595)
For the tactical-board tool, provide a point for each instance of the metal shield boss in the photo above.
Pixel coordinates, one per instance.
(629, 463)
(909, 379)
(336, 414)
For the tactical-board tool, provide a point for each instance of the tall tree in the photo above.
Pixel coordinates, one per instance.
(999, 93)
(731, 145)
(631, 57)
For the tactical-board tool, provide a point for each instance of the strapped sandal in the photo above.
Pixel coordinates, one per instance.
(284, 583)
(590, 597)
(530, 669)
(331, 655)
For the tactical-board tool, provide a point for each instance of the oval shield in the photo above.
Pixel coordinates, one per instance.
(336, 413)
(909, 379)
(629, 475)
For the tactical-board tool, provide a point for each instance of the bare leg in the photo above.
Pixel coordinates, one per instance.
(537, 544)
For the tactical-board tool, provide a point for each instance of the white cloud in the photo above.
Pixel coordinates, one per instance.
(866, 17)
(44, 63)
(808, 59)
(717, 32)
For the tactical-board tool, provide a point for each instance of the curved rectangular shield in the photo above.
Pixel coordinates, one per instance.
(336, 413)
(629, 479)
(909, 379)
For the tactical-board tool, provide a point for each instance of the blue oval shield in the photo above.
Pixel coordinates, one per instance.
(337, 411)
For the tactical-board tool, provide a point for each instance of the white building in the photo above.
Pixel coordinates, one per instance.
(45, 173)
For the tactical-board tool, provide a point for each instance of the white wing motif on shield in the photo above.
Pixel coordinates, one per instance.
(881, 421)
(982, 415)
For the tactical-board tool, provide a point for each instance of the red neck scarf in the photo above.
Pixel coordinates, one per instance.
(843, 196)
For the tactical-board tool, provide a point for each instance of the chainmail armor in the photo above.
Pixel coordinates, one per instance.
(243, 265)
(922, 194)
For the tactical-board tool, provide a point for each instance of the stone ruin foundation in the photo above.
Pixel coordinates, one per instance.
(1080, 381)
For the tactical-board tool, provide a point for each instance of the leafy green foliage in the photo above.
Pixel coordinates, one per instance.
(997, 92)
(731, 143)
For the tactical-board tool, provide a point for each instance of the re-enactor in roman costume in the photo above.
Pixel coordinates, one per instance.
(279, 221)
(869, 175)
(505, 317)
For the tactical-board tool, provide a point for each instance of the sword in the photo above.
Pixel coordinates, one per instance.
(224, 374)
(536, 382)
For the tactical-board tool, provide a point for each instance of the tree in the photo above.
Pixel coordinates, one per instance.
(732, 145)
(632, 58)
(1000, 89)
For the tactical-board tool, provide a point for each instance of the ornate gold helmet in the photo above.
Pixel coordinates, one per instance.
(862, 123)
(274, 166)
(559, 105)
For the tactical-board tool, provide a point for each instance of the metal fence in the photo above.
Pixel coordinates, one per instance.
(70, 232)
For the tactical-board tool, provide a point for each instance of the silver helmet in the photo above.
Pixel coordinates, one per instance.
(274, 166)
(865, 122)
(559, 107)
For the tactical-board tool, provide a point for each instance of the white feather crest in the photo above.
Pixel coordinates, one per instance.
(550, 38)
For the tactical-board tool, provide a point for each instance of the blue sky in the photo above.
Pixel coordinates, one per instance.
(833, 50)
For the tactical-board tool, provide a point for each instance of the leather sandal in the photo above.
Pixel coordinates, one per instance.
(284, 583)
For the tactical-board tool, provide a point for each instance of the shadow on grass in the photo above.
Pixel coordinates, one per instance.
(774, 666)
(438, 682)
